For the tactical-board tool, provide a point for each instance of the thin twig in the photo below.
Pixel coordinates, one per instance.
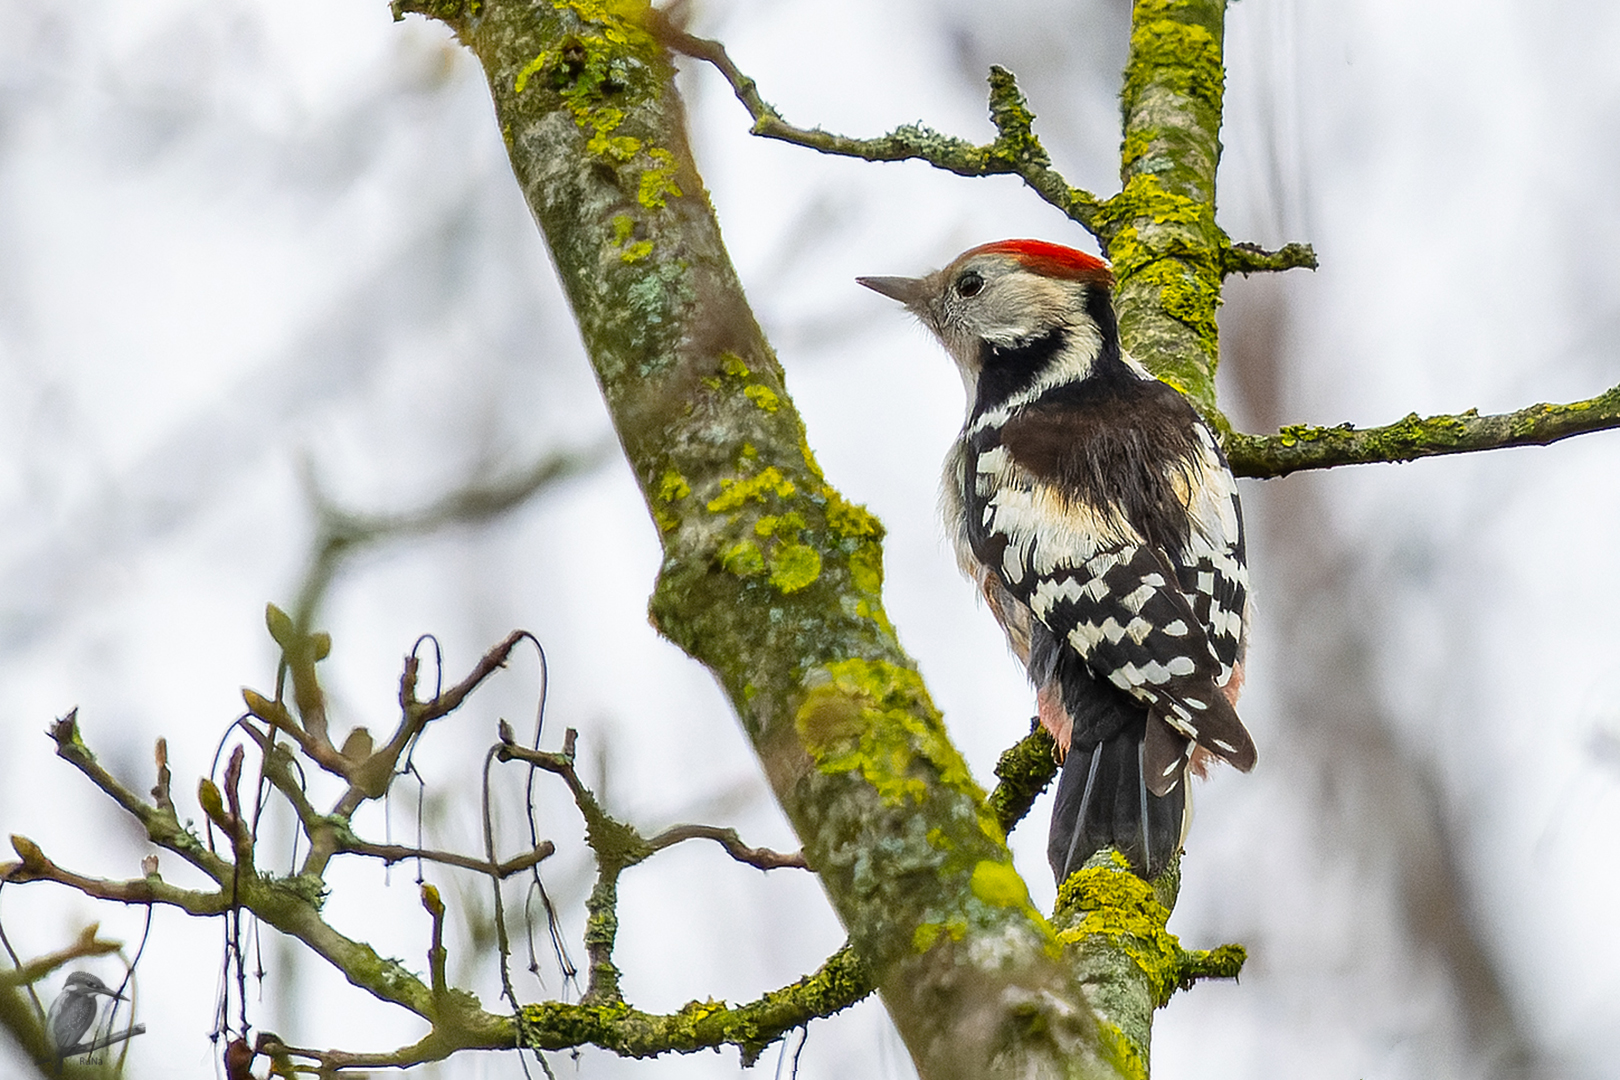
(763, 858)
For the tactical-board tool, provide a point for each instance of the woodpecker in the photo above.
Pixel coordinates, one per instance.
(1096, 513)
(74, 1010)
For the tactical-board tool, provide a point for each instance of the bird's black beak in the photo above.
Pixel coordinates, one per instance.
(908, 290)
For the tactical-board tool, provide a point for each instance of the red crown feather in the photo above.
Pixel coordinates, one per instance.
(1051, 260)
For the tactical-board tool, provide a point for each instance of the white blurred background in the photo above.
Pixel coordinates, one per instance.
(242, 240)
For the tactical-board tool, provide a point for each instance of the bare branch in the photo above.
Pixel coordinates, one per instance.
(763, 858)
(491, 662)
(152, 889)
(1253, 259)
(88, 944)
(162, 825)
(1306, 447)
(393, 853)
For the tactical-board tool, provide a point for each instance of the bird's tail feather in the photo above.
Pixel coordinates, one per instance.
(1103, 801)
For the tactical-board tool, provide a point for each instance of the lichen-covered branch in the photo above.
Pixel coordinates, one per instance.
(1113, 923)
(1253, 259)
(1016, 149)
(839, 983)
(1169, 255)
(1305, 447)
(1023, 771)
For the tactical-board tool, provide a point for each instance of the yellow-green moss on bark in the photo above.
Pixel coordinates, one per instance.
(1114, 925)
(1160, 231)
(877, 719)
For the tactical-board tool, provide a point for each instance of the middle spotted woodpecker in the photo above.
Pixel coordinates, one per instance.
(1096, 512)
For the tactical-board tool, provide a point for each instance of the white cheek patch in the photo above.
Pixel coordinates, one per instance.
(1069, 366)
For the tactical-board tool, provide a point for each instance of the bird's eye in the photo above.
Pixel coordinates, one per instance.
(969, 284)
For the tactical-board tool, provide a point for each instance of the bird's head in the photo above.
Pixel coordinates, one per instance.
(1004, 297)
(85, 984)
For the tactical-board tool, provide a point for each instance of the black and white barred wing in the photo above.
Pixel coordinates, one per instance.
(1213, 569)
(1097, 584)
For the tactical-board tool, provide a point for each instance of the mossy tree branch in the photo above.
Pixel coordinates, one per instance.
(1304, 447)
(1023, 771)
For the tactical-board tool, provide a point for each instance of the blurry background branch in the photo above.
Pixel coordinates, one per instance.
(342, 533)
(1382, 802)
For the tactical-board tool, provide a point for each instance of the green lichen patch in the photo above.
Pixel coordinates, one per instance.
(1118, 904)
(1119, 1052)
(672, 486)
(866, 569)
(763, 397)
(876, 718)
(743, 559)
(658, 182)
(1133, 148)
(998, 884)
(1188, 293)
(788, 526)
(850, 520)
(734, 494)
(1111, 901)
(1177, 55)
(928, 934)
(809, 456)
(794, 567)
